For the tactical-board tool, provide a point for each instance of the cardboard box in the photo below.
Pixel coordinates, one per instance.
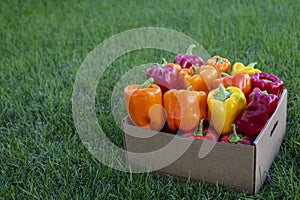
(243, 167)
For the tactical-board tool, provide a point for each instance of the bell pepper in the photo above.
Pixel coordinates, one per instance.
(175, 66)
(188, 71)
(184, 108)
(269, 82)
(222, 64)
(241, 81)
(203, 133)
(240, 68)
(236, 138)
(201, 78)
(144, 105)
(224, 105)
(188, 59)
(261, 106)
(167, 76)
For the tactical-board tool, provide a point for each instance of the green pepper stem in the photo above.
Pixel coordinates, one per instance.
(164, 61)
(200, 129)
(267, 80)
(264, 92)
(252, 64)
(234, 137)
(159, 66)
(224, 74)
(190, 88)
(219, 60)
(147, 82)
(222, 94)
(194, 70)
(190, 49)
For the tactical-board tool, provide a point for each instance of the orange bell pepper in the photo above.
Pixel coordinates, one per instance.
(222, 64)
(241, 81)
(144, 105)
(184, 108)
(177, 67)
(201, 78)
(187, 71)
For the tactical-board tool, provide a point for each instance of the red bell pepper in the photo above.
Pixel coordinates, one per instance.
(259, 109)
(269, 82)
(188, 59)
(203, 133)
(236, 138)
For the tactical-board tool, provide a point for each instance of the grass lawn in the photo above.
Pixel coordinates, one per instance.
(42, 45)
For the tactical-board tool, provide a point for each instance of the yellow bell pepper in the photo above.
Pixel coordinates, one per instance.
(240, 68)
(224, 105)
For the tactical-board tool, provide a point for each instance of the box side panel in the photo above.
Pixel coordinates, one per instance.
(269, 141)
(218, 162)
(234, 168)
(141, 140)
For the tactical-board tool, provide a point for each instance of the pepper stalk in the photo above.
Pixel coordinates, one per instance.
(195, 70)
(200, 129)
(147, 83)
(234, 137)
(189, 51)
(222, 94)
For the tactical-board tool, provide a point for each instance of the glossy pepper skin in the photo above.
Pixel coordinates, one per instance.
(201, 78)
(222, 64)
(235, 138)
(241, 81)
(224, 105)
(256, 114)
(269, 82)
(184, 108)
(203, 133)
(240, 68)
(175, 66)
(188, 59)
(167, 76)
(144, 105)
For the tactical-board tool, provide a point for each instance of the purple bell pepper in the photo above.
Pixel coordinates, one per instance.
(188, 59)
(167, 77)
(256, 114)
(269, 82)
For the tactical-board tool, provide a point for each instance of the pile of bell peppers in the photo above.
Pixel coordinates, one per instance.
(206, 100)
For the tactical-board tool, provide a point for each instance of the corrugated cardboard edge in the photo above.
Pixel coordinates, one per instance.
(268, 142)
(124, 139)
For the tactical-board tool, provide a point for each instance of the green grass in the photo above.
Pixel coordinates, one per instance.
(42, 45)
